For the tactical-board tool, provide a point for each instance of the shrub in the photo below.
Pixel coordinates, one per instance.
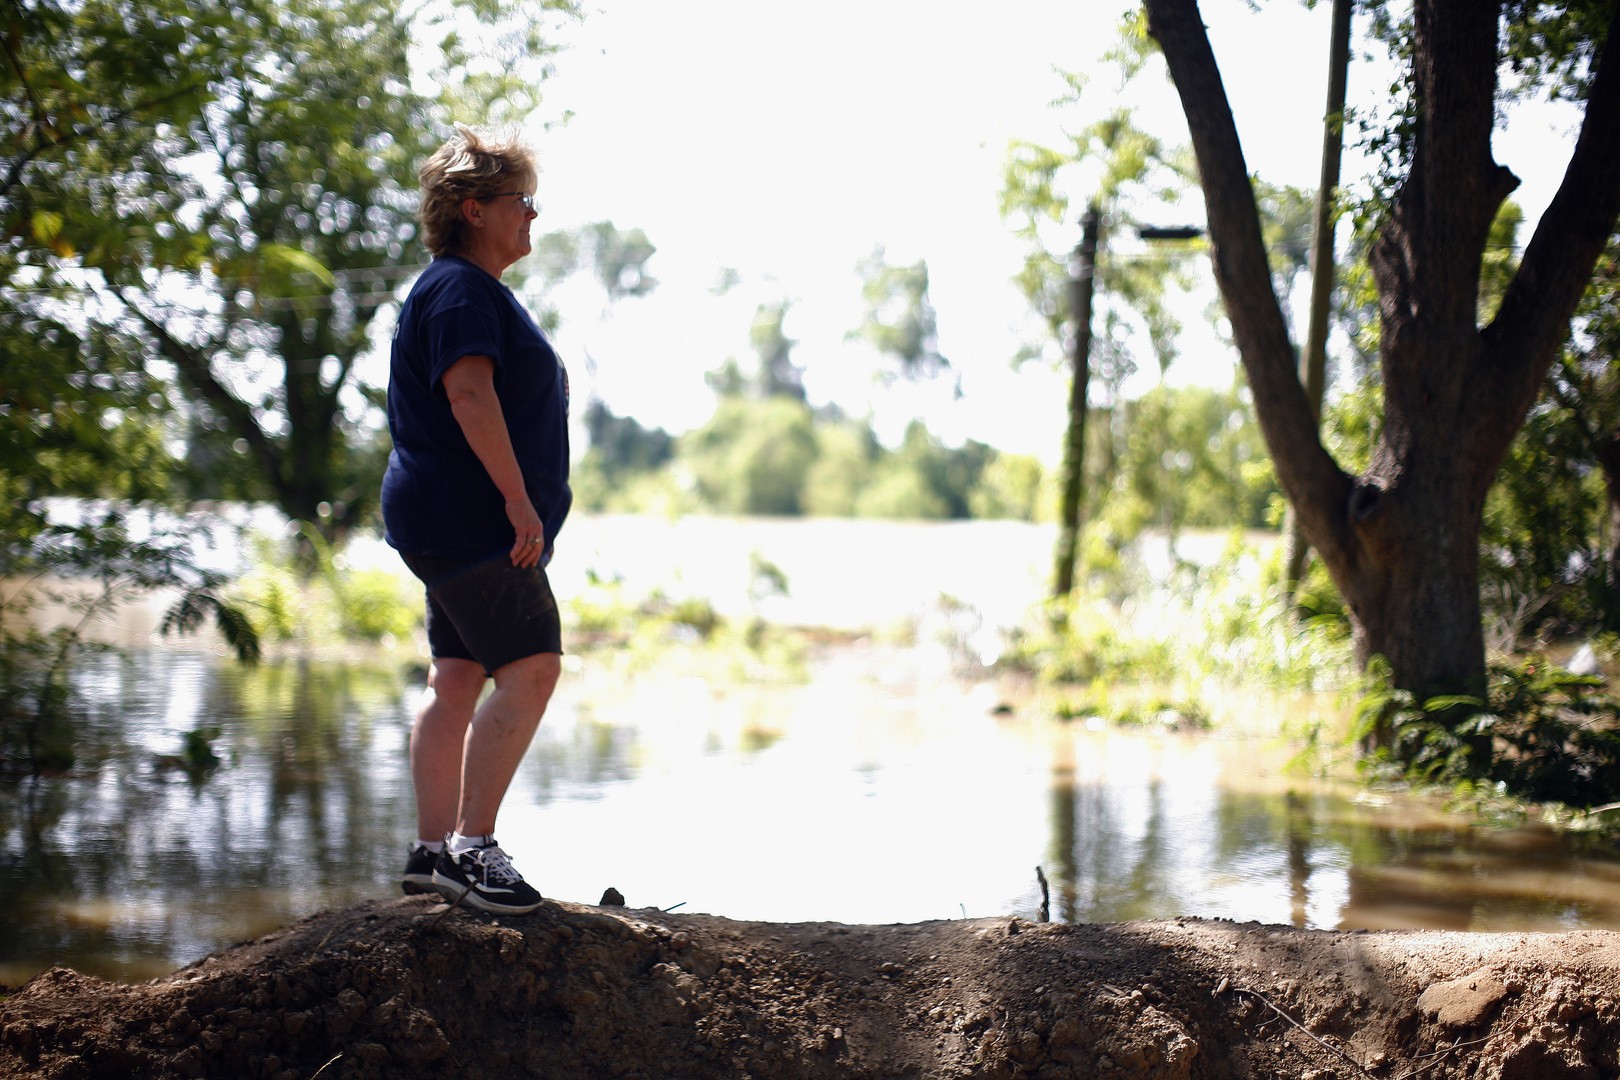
(1548, 734)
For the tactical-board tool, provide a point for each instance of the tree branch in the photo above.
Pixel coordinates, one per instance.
(1313, 481)
(197, 372)
(1533, 319)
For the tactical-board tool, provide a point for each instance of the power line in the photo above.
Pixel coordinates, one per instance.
(224, 286)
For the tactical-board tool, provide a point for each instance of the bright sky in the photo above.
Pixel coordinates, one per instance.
(785, 141)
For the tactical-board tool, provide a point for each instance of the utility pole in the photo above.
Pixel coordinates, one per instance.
(1313, 365)
(1074, 447)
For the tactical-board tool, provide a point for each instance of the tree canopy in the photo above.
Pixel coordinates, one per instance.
(226, 194)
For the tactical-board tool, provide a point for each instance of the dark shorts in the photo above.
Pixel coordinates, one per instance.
(487, 610)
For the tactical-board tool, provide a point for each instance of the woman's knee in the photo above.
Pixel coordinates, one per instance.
(533, 676)
(454, 677)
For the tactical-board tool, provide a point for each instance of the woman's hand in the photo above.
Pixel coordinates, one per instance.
(530, 539)
(470, 386)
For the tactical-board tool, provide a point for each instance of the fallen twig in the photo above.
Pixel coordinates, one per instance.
(1046, 896)
(1438, 1056)
(1323, 1043)
(323, 1068)
(1432, 1058)
(439, 918)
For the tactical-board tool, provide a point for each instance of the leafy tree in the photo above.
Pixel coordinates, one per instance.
(622, 452)
(1011, 486)
(79, 415)
(778, 375)
(1401, 540)
(1119, 171)
(86, 86)
(753, 455)
(616, 258)
(1587, 385)
(1539, 569)
(900, 321)
(250, 240)
(1553, 526)
(85, 91)
(1194, 456)
(923, 478)
(846, 453)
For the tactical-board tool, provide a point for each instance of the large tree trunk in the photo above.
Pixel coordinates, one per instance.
(1402, 541)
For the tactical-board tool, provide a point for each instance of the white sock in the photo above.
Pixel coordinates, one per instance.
(434, 846)
(459, 843)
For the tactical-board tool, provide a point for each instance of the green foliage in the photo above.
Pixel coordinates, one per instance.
(225, 193)
(900, 319)
(1010, 486)
(337, 604)
(1287, 221)
(636, 632)
(1147, 713)
(778, 375)
(79, 416)
(1132, 177)
(1194, 457)
(1351, 424)
(846, 454)
(1227, 622)
(622, 458)
(1091, 644)
(1547, 566)
(923, 478)
(753, 456)
(616, 258)
(775, 456)
(87, 87)
(59, 580)
(1539, 566)
(1551, 46)
(1551, 736)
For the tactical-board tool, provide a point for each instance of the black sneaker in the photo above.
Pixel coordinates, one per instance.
(419, 870)
(485, 878)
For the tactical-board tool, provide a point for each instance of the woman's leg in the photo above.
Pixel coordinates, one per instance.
(437, 740)
(499, 736)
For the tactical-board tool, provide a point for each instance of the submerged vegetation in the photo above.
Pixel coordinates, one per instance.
(56, 580)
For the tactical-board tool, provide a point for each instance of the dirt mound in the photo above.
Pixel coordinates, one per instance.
(411, 988)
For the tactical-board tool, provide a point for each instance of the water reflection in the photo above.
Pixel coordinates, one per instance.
(882, 789)
(1154, 827)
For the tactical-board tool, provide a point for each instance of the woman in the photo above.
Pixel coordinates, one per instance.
(476, 489)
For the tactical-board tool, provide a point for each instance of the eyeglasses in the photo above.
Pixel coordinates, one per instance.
(524, 199)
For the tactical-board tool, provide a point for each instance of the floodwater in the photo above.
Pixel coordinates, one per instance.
(886, 786)
(883, 783)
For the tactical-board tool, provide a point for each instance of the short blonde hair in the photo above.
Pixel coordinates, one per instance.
(469, 166)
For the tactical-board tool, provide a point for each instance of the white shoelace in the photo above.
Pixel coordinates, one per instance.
(497, 865)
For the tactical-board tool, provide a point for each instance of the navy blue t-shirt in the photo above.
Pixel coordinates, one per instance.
(437, 497)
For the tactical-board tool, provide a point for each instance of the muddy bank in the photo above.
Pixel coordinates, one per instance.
(411, 988)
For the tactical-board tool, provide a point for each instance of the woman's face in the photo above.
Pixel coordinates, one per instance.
(501, 224)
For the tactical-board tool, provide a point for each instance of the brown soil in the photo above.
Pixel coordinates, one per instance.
(412, 988)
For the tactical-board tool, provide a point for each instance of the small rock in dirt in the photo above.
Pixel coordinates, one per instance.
(611, 897)
(1464, 1002)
